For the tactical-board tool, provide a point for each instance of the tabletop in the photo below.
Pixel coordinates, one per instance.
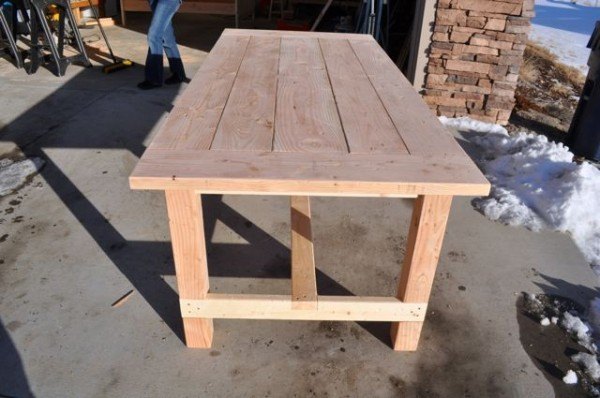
(304, 113)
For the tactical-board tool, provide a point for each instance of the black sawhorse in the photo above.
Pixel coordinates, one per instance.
(10, 30)
(40, 27)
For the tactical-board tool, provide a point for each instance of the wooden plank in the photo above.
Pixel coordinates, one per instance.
(307, 117)
(279, 173)
(331, 308)
(292, 34)
(194, 119)
(189, 253)
(427, 227)
(366, 123)
(422, 133)
(304, 279)
(248, 118)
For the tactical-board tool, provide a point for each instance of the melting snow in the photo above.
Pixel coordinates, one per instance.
(588, 362)
(14, 174)
(535, 184)
(570, 377)
(574, 325)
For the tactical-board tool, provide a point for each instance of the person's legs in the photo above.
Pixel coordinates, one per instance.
(162, 13)
(172, 52)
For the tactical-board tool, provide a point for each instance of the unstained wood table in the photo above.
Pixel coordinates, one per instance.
(304, 114)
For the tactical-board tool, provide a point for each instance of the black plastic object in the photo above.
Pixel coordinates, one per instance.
(584, 134)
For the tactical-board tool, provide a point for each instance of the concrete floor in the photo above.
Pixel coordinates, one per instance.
(78, 239)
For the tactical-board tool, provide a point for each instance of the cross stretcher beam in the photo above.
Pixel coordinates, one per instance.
(331, 308)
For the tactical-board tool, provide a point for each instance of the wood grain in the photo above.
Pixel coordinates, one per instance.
(295, 34)
(331, 308)
(422, 133)
(247, 121)
(193, 121)
(297, 173)
(366, 124)
(425, 237)
(307, 117)
(304, 279)
(187, 238)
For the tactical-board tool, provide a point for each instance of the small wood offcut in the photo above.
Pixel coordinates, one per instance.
(304, 114)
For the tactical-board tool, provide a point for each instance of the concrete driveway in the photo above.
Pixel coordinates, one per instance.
(78, 239)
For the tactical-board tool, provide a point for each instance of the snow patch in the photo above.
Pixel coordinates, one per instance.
(14, 174)
(545, 321)
(564, 28)
(582, 332)
(535, 184)
(589, 363)
(570, 377)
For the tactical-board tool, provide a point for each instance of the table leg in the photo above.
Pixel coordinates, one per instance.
(304, 280)
(430, 214)
(189, 252)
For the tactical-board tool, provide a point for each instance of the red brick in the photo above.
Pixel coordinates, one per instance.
(437, 36)
(495, 24)
(488, 59)
(468, 66)
(460, 37)
(445, 101)
(451, 17)
(491, 6)
(476, 22)
(503, 45)
(479, 50)
(487, 15)
(518, 29)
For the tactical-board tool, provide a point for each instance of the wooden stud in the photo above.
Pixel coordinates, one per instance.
(331, 308)
(427, 227)
(304, 280)
(189, 252)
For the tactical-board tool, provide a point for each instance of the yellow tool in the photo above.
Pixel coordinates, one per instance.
(116, 65)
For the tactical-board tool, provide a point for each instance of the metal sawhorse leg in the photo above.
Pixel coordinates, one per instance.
(40, 26)
(9, 31)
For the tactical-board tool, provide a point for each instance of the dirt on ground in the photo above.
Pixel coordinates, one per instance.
(547, 94)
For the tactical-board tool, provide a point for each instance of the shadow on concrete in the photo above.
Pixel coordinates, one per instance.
(13, 380)
(48, 125)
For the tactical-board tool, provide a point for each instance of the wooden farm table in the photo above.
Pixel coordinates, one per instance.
(304, 114)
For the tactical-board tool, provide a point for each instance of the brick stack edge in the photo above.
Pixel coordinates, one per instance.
(475, 56)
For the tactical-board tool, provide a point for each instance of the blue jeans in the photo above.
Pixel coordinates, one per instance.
(161, 37)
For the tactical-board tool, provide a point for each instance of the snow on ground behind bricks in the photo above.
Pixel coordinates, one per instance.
(564, 27)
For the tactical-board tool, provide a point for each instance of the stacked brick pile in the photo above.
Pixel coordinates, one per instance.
(475, 56)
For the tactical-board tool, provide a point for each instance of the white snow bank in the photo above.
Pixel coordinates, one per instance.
(589, 363)
(570, 377)
(564, 28)
(545, 321)
(535, 184)
(574, 325)
(14, 174)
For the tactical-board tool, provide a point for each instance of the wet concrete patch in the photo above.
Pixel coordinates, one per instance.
(549, 348)
(460, 365)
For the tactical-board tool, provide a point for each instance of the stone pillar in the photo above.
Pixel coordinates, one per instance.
(475, 55)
